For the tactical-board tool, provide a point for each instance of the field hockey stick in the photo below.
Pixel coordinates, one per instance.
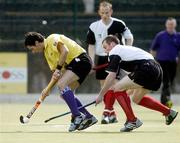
(61, 115)
(41, 99)
(100, 66)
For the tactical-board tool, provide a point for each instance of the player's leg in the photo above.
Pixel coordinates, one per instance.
(165, 93)
(68, 95)
(74, 86)
(150, 76)
(81, 67)
(153, 104)
(124, 84)
(108, 115)
(172, 74)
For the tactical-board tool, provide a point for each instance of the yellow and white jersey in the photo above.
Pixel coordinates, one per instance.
(52, 54)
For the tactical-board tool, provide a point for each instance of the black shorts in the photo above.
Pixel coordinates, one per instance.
(148, 73)
(81, 66)
(101, 74)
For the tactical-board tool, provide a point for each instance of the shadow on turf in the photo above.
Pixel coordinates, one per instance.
(79, 132)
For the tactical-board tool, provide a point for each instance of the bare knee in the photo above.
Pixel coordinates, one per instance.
(130, 92)
(136, 99)
(116, 88)
(61, 85)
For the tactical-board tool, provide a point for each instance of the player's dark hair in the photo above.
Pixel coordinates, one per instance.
(111, 38)
(32, 37)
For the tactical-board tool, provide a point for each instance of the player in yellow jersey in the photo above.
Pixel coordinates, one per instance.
(63, 53)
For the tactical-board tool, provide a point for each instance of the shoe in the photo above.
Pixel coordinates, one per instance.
(105, 119)
(75, 122)
(87, 123)
(129, 126)
(169, 104)
(170, 118)
(113, 119)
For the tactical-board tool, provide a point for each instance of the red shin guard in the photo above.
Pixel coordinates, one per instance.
(153, 104)
(124, 100)
(109, 100)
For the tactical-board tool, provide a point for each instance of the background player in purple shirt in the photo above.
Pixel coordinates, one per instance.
(165, 48)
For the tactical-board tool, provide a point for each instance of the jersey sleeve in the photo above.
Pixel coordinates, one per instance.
(122, 26)
(127, 33)
(114, 61)
(90, 39)
(122, 29)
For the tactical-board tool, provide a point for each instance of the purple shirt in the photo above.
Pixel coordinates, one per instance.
(166, 46)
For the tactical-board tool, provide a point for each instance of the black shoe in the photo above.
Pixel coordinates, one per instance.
(113, 119)
(170, 118)
(87, 123)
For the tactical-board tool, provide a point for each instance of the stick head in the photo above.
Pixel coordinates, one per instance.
(24, 120)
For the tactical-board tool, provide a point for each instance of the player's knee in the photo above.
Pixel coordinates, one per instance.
(61, 85)
(129, 92)
(135, 99)
(116, 89)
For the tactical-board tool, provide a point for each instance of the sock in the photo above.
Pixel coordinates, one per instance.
(109, 100)
(126, 106)
(112, 113)
(128, 101)
(153, 104)
(68, 96)
(82, 110)
(106, 112)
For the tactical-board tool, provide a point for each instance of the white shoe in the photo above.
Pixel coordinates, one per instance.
(129, 126)
(75, 122)
(105, 119)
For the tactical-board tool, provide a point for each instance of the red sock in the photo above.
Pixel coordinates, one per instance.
(109, 100)
(112, 113)
(153, 104)
(125, 104)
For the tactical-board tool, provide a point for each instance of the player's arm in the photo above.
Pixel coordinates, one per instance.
(63, 50)
(90, 39)
(128, 36)
(91, 52)
(154, 45)
(108, 83)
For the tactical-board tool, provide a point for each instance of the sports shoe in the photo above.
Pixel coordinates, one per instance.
(170, 118)
(105, 119)
(169, 104)
(87, 123)
(129, 126)
(75, 122)
(113, 119)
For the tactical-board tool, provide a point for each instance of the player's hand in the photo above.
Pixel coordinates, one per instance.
(57, 74)
(99, 99)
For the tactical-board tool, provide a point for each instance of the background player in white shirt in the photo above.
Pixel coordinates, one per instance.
(98, 30)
